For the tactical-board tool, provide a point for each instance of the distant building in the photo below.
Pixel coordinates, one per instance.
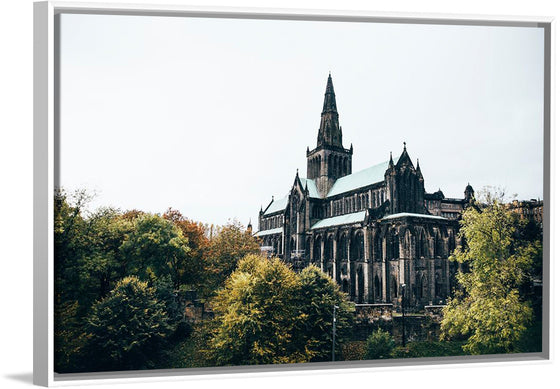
(372, 231)
(529, 210)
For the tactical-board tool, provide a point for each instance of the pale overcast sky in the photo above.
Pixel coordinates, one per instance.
(213, 116)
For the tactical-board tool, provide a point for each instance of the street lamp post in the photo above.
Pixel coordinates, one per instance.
(403, 286)
(335, 307)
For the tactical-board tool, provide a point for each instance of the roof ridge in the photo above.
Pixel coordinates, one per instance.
(367, 168)
(344, 184)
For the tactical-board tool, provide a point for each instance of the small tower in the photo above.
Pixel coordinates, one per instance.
(469, 193)
(329, 160)
(250, 228)
(405, 185)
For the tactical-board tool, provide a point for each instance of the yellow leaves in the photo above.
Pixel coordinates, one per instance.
(490, 310)
(267, 313)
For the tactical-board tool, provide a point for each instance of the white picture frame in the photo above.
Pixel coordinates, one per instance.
(45, 121)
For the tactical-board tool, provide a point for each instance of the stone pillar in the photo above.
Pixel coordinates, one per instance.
(446, 273)
(367, 254)
(367, 284)
(402, 274)
(334, 259)
(384, 278)
(322, 256)
(431, 279)
(367, 260)
(310, 250)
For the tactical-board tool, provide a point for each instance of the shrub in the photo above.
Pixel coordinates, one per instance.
(379, 345)
(353, 350)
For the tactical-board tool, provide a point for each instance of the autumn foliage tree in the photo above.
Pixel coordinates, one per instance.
(231, 243)
(196, 235)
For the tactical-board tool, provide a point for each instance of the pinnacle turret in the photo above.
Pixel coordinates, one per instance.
(418, 171)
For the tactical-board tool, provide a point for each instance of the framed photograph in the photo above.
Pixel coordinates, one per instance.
(224, 190)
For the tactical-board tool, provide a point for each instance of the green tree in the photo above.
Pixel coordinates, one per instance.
(379, 344)
(488, 308)
(126, 329)
(269, 314)
(70, 243)
(315, 297)
(155, 248)
(102, 264)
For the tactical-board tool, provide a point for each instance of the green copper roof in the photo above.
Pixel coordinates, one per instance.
(350, 218)
(405, 214)
(277, 205)
(311, 187)
(270, 232)
(359, 179)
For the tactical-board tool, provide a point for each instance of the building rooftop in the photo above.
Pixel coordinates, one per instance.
(349, 218)
(277, 205)
(270, 232)
(406, 214)
(365, 177)
(311, 187)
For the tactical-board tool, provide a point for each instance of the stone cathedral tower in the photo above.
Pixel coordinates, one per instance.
(329, 160)
(371, 230)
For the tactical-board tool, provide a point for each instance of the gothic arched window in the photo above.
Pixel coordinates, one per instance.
(317, 249)
(329, 248)
(378, 247)
(378, 286)
(357, 246)
(342, 247)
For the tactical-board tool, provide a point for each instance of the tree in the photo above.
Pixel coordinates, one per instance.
(269, 314)
(155, 248)
(488, 308)
(379, 344)
(126, 329)
(195, 233)
(315, 297)
(227, 247)
(70, 243)
(102, 265)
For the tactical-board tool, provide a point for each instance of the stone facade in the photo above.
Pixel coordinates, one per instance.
(372, 231)
(529, 210)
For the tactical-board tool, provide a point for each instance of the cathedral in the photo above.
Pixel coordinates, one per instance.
(376, 232)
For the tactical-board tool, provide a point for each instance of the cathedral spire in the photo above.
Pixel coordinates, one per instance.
(330, 132)
(329, 105)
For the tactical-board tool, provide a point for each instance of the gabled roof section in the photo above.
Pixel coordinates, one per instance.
(404, 159)
(406, 214)
(349, 218)
(311, 187)
(273, 231)
(277, 205)
(359, 179)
